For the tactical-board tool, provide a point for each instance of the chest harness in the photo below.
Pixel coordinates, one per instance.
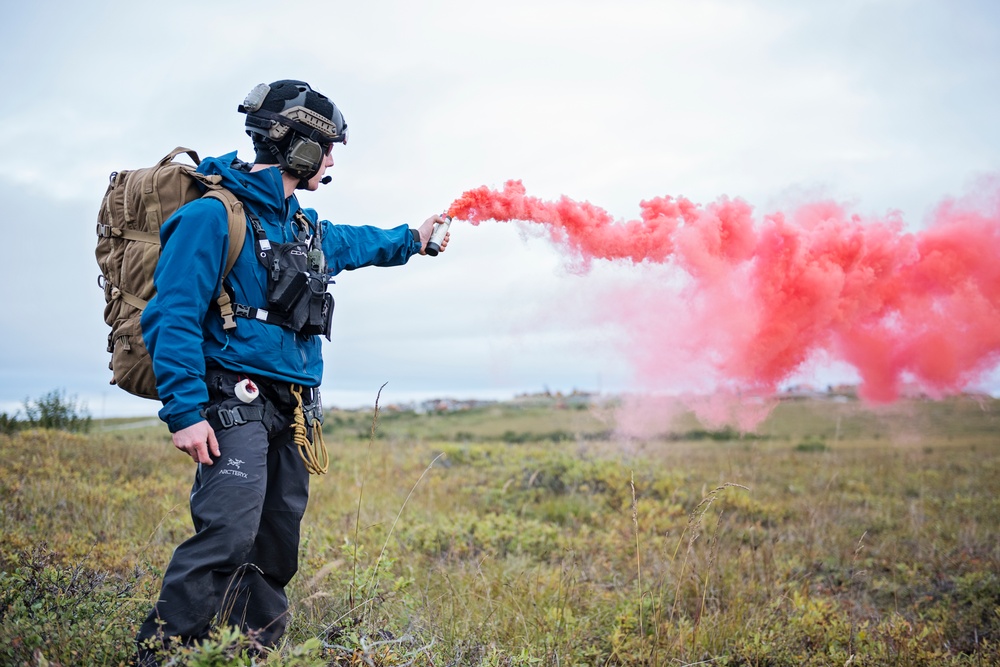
(296, 299)
(296, 280)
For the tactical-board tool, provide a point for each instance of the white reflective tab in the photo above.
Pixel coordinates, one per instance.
(265, 244)
(262, 314)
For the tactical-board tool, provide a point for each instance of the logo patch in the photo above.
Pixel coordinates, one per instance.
(234, 468)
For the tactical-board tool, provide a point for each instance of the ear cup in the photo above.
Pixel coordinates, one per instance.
(304, 157)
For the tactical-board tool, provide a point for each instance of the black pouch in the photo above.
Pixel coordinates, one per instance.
(313, 312)
(297, 293)
(289, 289)
(320, 315)
(288, 278)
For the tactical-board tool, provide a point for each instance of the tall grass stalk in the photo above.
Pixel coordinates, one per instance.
(713, 553)
(372, 581)
(855, 573)
(694, 530)
(638, 561)
(361, 491)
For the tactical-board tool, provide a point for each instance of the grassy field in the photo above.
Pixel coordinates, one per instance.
(529, 533)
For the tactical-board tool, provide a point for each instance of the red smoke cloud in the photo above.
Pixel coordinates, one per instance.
(767, 293)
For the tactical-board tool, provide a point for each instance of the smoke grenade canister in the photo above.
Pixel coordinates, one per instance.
(437, 236)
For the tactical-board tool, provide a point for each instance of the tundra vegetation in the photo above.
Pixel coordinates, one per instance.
(529, 533)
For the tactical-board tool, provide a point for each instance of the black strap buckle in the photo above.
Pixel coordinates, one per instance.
(226, 418)
(238, 415)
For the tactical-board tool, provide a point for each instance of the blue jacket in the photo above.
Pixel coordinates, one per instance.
(182, 327)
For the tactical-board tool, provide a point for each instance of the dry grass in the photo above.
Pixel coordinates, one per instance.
(440, 541)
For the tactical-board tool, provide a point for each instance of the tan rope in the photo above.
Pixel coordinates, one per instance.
(314, 453)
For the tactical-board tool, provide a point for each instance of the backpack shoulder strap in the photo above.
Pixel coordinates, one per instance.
(237, 236)
(237, 222)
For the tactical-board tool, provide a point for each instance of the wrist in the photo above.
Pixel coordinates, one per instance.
(182, 421)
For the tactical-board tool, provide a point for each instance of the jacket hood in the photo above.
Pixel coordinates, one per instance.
(262, 190)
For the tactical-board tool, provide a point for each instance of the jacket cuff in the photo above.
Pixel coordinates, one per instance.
(416, 239)
(182, 421)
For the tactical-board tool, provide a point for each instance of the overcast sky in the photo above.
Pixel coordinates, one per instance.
(882, 104)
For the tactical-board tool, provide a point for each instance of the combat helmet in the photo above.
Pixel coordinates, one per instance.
(293, 126)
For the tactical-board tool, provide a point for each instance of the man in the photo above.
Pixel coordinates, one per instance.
(234, 399)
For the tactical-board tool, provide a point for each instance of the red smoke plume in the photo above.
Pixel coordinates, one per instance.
(774, 290)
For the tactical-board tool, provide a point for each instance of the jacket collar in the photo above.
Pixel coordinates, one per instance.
(263, 191)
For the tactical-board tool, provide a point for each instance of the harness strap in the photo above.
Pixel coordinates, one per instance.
(263, 243)
(264, 254)
(222, 418)
(262, 314)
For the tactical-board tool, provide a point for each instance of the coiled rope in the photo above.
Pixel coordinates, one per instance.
(314, 453)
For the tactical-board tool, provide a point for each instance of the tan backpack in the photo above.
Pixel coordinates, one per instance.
(136, 203)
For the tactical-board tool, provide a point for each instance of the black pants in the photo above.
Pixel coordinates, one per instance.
(246, 508)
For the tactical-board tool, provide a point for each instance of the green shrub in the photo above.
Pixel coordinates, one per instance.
(57, 411)
(811, 445)
(71, 615)
(9, 424)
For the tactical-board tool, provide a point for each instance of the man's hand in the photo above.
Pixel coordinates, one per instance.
(427, 229)
(196, 441)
